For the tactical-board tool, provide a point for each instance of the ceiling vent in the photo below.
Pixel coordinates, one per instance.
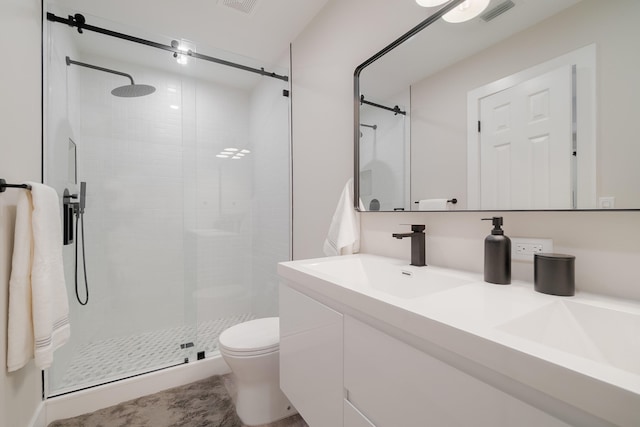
(244, 6)
(497, 11)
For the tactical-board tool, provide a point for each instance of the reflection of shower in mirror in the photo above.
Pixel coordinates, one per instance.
(374, 127)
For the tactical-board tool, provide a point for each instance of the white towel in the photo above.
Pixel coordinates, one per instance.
(433, 205)
(344, 233)
(38, 304)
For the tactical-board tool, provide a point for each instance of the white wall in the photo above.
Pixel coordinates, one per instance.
(324, 57)
(19, 161)
(342, 36)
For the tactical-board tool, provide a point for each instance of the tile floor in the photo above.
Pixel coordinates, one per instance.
(115, 358)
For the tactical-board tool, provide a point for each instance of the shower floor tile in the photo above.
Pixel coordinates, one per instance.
(116, 358)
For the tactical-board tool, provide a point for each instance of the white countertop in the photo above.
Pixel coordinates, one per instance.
(581, 349)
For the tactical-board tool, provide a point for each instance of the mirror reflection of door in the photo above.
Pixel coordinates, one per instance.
(526, 144)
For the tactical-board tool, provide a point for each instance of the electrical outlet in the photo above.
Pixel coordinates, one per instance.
(523, 248)
(608, 202)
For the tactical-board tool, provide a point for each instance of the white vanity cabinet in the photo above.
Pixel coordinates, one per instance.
(370, 341)
(311, 358)
(340, 371)
(392, 384)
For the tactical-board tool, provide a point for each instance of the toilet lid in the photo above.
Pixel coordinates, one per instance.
(252, 336)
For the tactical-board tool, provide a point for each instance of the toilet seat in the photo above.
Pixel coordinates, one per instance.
(252, 338)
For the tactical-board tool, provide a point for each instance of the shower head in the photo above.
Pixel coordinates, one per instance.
(132, 90)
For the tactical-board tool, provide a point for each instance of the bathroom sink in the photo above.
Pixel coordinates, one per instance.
(603, 335)
(389, 276)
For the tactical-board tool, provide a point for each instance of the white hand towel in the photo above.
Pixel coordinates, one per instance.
(344, 233)
(432, 205)
(38, 304)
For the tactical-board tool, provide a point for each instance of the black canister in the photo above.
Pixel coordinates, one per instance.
(554, 274)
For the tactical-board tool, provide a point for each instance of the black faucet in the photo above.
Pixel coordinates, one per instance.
(417, 244)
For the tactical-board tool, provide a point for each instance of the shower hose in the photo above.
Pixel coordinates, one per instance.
(80, 219)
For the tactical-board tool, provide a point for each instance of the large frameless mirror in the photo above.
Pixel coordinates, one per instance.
(526, 106)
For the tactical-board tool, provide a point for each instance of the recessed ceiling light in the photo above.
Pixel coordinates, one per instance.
(182, 59)
(245, 151)
(231, 149)
(222, 156)
(174, 107)
(236, 157)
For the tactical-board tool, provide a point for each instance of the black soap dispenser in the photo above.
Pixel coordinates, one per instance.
(497, 254)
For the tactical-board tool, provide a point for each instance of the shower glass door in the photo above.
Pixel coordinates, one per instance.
(130, 151)
(187, 198)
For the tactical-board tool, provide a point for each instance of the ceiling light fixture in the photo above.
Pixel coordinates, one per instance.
(430, 3)
(184, 46)
(466, 11)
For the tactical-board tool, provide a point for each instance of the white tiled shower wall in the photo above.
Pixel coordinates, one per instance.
(174, 234)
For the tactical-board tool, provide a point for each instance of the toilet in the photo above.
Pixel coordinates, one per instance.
(252, 350)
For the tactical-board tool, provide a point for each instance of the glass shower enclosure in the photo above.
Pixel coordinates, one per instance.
(187, 201)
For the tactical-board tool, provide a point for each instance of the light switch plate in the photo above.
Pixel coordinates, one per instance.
(523, 248)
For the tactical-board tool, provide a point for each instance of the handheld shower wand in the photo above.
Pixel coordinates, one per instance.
(80, 221)
(73, 208)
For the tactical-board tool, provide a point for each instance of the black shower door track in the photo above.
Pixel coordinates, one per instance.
(78, 21)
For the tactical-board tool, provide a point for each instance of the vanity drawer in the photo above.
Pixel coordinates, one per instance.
(394, 384)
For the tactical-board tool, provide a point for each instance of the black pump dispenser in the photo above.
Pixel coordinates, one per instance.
(497, 223)
(497, 254)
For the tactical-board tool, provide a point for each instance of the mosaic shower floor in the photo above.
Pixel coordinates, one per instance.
(115, 358)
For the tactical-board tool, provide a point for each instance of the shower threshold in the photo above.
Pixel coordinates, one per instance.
(114, 359)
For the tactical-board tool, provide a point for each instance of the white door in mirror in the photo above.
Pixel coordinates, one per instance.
(526, 144)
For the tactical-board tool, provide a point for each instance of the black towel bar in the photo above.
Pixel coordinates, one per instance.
(4, 186)
(454, 201)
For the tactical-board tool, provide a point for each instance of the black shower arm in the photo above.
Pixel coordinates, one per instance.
(95, 67)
